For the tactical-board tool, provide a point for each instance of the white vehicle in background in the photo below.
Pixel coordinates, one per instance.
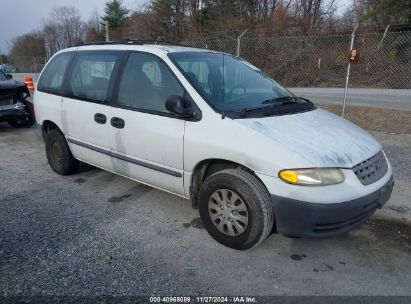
(214, 129)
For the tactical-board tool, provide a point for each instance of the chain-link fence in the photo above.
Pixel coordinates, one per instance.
(379, 91)
(23, 64)
(321, 61)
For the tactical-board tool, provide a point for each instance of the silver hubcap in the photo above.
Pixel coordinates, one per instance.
(228, 212)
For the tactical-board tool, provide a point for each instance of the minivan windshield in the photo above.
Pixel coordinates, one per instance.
(231, 84)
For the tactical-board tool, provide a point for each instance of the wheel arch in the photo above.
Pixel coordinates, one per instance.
(207, 167)
(48, 125)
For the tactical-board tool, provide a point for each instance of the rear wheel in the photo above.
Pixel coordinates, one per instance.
(58, 153)
(236, 209)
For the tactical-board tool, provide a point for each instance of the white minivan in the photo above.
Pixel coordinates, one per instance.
(214, 129)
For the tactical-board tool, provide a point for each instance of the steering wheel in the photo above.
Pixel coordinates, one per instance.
(231, 92)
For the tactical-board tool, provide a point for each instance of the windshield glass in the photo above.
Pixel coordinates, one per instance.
(2, 75)
(228, 83)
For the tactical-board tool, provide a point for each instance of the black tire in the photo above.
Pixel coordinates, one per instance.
(18, 123)
(254, 196)
(58, 153)
(22, 123)
(26, 122)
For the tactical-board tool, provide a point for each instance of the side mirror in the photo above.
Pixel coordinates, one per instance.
(9, 76)
(176, 105)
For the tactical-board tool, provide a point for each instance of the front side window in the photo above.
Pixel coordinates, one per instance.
(231, 84)
(147, 83)
(91, 75)
(51, 79)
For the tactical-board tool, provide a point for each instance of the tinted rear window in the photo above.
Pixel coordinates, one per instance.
(91, 76)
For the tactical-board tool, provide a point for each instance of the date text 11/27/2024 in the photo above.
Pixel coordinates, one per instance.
(203, 300)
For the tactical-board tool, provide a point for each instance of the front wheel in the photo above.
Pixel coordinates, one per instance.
(236, 209)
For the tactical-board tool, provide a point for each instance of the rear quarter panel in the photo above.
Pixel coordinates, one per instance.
(48, 107)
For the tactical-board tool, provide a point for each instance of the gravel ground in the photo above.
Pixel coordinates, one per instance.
(95, 233)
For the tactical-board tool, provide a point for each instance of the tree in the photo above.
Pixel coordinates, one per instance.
(64, 28)
(27, 51)
(383, 11)
(3, 59)
(144, 25)
(28, 45)
(116, 14)
(93, 31)
(188, 19)
(310, 14)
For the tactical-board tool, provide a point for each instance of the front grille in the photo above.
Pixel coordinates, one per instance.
(372, 169)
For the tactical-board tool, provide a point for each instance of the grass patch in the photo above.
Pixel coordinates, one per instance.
(375, 119)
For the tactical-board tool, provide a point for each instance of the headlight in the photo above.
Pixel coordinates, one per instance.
(312, 177)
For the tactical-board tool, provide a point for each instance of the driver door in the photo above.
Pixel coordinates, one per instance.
(148, 140)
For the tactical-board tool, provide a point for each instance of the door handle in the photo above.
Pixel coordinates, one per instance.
(100, 118)
(117, 122)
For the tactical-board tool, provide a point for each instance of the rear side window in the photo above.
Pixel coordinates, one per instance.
(51, 79)
(91, 76)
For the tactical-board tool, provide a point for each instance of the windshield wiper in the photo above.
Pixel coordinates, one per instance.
(285, 100)
(243, 112)
(281, 100)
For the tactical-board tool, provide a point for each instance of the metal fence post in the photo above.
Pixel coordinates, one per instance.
(35, 65)
(348, 72)
(239, 41)
(107, 29)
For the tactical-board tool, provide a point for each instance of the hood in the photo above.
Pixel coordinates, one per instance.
(325, 139)
(13, 87)
(10, 84)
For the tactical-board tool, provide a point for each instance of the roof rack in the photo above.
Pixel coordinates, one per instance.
(132, 42)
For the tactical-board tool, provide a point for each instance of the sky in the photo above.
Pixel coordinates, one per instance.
(18, 17)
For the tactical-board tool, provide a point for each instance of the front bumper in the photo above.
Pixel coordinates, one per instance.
(13, 114)
(302, 219)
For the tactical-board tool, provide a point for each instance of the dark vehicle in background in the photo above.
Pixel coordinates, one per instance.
(15, 108)
(8, 69)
